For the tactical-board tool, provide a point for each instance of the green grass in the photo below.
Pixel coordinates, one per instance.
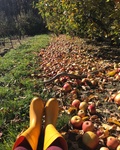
(17, 87)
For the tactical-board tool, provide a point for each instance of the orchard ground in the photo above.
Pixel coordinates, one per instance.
(24, 70)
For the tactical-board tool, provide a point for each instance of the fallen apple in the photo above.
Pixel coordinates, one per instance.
(90, 139)
(76, 103)
(92, 108)
(87, 126)
(67, 87)
(81, 113)
(76, 122)
(117, 99)
(112, 142)
(83, 106)
(104, 148)
(99, 132)
(118, 147)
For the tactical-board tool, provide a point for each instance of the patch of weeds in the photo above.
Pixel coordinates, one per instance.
(62, 120)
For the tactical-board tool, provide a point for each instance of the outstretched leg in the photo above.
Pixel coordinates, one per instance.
(52, 138)
(29, 138)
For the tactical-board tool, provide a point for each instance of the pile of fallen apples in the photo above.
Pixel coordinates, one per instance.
(83, 120)
(64, 55)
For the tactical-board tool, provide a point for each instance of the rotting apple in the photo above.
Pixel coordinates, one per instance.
(90, 139)
(112, 142)
(76, 122)
(83, 106)
(76, 103)
(92, 108)
(87, 126)
(67, 87)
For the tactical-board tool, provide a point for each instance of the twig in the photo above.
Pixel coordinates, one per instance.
(64, 74)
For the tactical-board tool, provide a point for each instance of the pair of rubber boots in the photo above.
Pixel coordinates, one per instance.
(37, 109)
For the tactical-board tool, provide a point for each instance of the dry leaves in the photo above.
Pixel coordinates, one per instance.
(74, 56)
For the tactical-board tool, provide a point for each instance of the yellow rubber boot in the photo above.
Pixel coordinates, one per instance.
(33, 132)
(51, 134)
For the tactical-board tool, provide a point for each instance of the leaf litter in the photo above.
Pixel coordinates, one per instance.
(99, 80)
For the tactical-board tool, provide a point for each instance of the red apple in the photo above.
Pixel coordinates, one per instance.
(81, 113)
(90, 139)
(112, 142)
(87, 126)
(92, 108)
(83, 106)
(99, 132)
(76, 103)
(104, 148)
(67, 87)
(76, 121)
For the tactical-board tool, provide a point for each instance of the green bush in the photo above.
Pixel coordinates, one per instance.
(89, 18)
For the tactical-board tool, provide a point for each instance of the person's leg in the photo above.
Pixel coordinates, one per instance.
(21, 148)
(51, 136)
(56, 145)
(24, 144)
(54, 148)
(29, 138)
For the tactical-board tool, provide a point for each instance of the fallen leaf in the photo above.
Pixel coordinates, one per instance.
(111, 120)
(112, 73)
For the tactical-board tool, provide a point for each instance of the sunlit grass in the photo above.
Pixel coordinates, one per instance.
(17, 88)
